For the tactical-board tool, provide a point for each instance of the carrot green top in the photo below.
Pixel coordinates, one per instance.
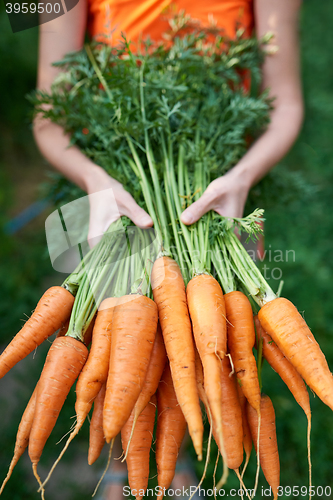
(140, 18)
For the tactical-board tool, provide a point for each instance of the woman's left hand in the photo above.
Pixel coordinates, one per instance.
(226, 195)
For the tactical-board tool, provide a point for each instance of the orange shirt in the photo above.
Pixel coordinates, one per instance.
(107, 19)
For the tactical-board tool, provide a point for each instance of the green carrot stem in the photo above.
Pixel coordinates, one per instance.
(146, 191)
(260, 358)
(137, 273)
(171, 209)
(121, 284)
(102, 294)
(222, 267)
(88, 296)
(98, 72)
(140, 262)
(72, 281)
(196, 266)
(152, 168)
(143, 261)
(83, 299)
(187, 184)
(145, 186)
(247, 271)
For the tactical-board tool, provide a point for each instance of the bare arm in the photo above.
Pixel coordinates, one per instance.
(58, 37)
(227, 195)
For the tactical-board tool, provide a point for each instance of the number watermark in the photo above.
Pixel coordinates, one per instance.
(24, 15)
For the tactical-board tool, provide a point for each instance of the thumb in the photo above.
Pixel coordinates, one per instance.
(137, 215)
(98, 226)
(196, 210)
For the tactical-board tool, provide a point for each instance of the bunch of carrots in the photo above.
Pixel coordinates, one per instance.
(157, 321)
(164, 355)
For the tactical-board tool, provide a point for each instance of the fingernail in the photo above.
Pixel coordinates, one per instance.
(146, 221)
(187, 218)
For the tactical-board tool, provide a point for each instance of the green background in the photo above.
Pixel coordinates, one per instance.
(305, 226)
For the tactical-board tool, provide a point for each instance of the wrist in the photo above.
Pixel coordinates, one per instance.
(241, 177)
(96, 179)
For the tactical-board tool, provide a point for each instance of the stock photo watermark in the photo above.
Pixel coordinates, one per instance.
(263, 492)
(25, 15)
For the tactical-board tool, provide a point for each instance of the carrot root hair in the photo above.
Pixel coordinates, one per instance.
(214, 474)
(9, 473)
(106, 468)
(69, 440)
(258, 458)
(130, 438)
(206, 462)
(41, 489)
(232, 365)
(309, 454)
(225, 472)
(247, 459)
(224, 477)
(241, 482)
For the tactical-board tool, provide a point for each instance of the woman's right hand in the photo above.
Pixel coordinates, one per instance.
(108, 201)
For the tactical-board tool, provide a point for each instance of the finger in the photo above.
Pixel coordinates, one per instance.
(93, 240)
(197, 209)
(231, 211)
(98, 226)
(237, 233)
(137, 215)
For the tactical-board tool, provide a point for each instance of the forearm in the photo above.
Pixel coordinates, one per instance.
(54, 145)
(227, 194)
(272, 145)
(57, 38)
(281, 75)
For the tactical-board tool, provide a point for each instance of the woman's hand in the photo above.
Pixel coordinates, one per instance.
(108, 202)
(225, 195)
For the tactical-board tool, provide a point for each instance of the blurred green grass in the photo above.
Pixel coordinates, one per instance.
(305, 226)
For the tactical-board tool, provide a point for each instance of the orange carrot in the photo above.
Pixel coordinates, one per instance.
(281, 320)
(269, 455)
(87, 387)
(153, 377)
(218, 438)
(64, 329)
(64, 362)
(200, 380)
(89, 331)
(22, 437)
(208, 315)
(154, 373)
(139, 450)
(284, 368)
(241, 340)
(171, 428)
(202, 395)
(51, 312)
(95, 372)
(96, 433)
(231, 418)
(247, 438)
(289, 375)
(170, 297)
(134, 325)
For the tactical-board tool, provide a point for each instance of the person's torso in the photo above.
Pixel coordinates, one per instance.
(141, 18)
